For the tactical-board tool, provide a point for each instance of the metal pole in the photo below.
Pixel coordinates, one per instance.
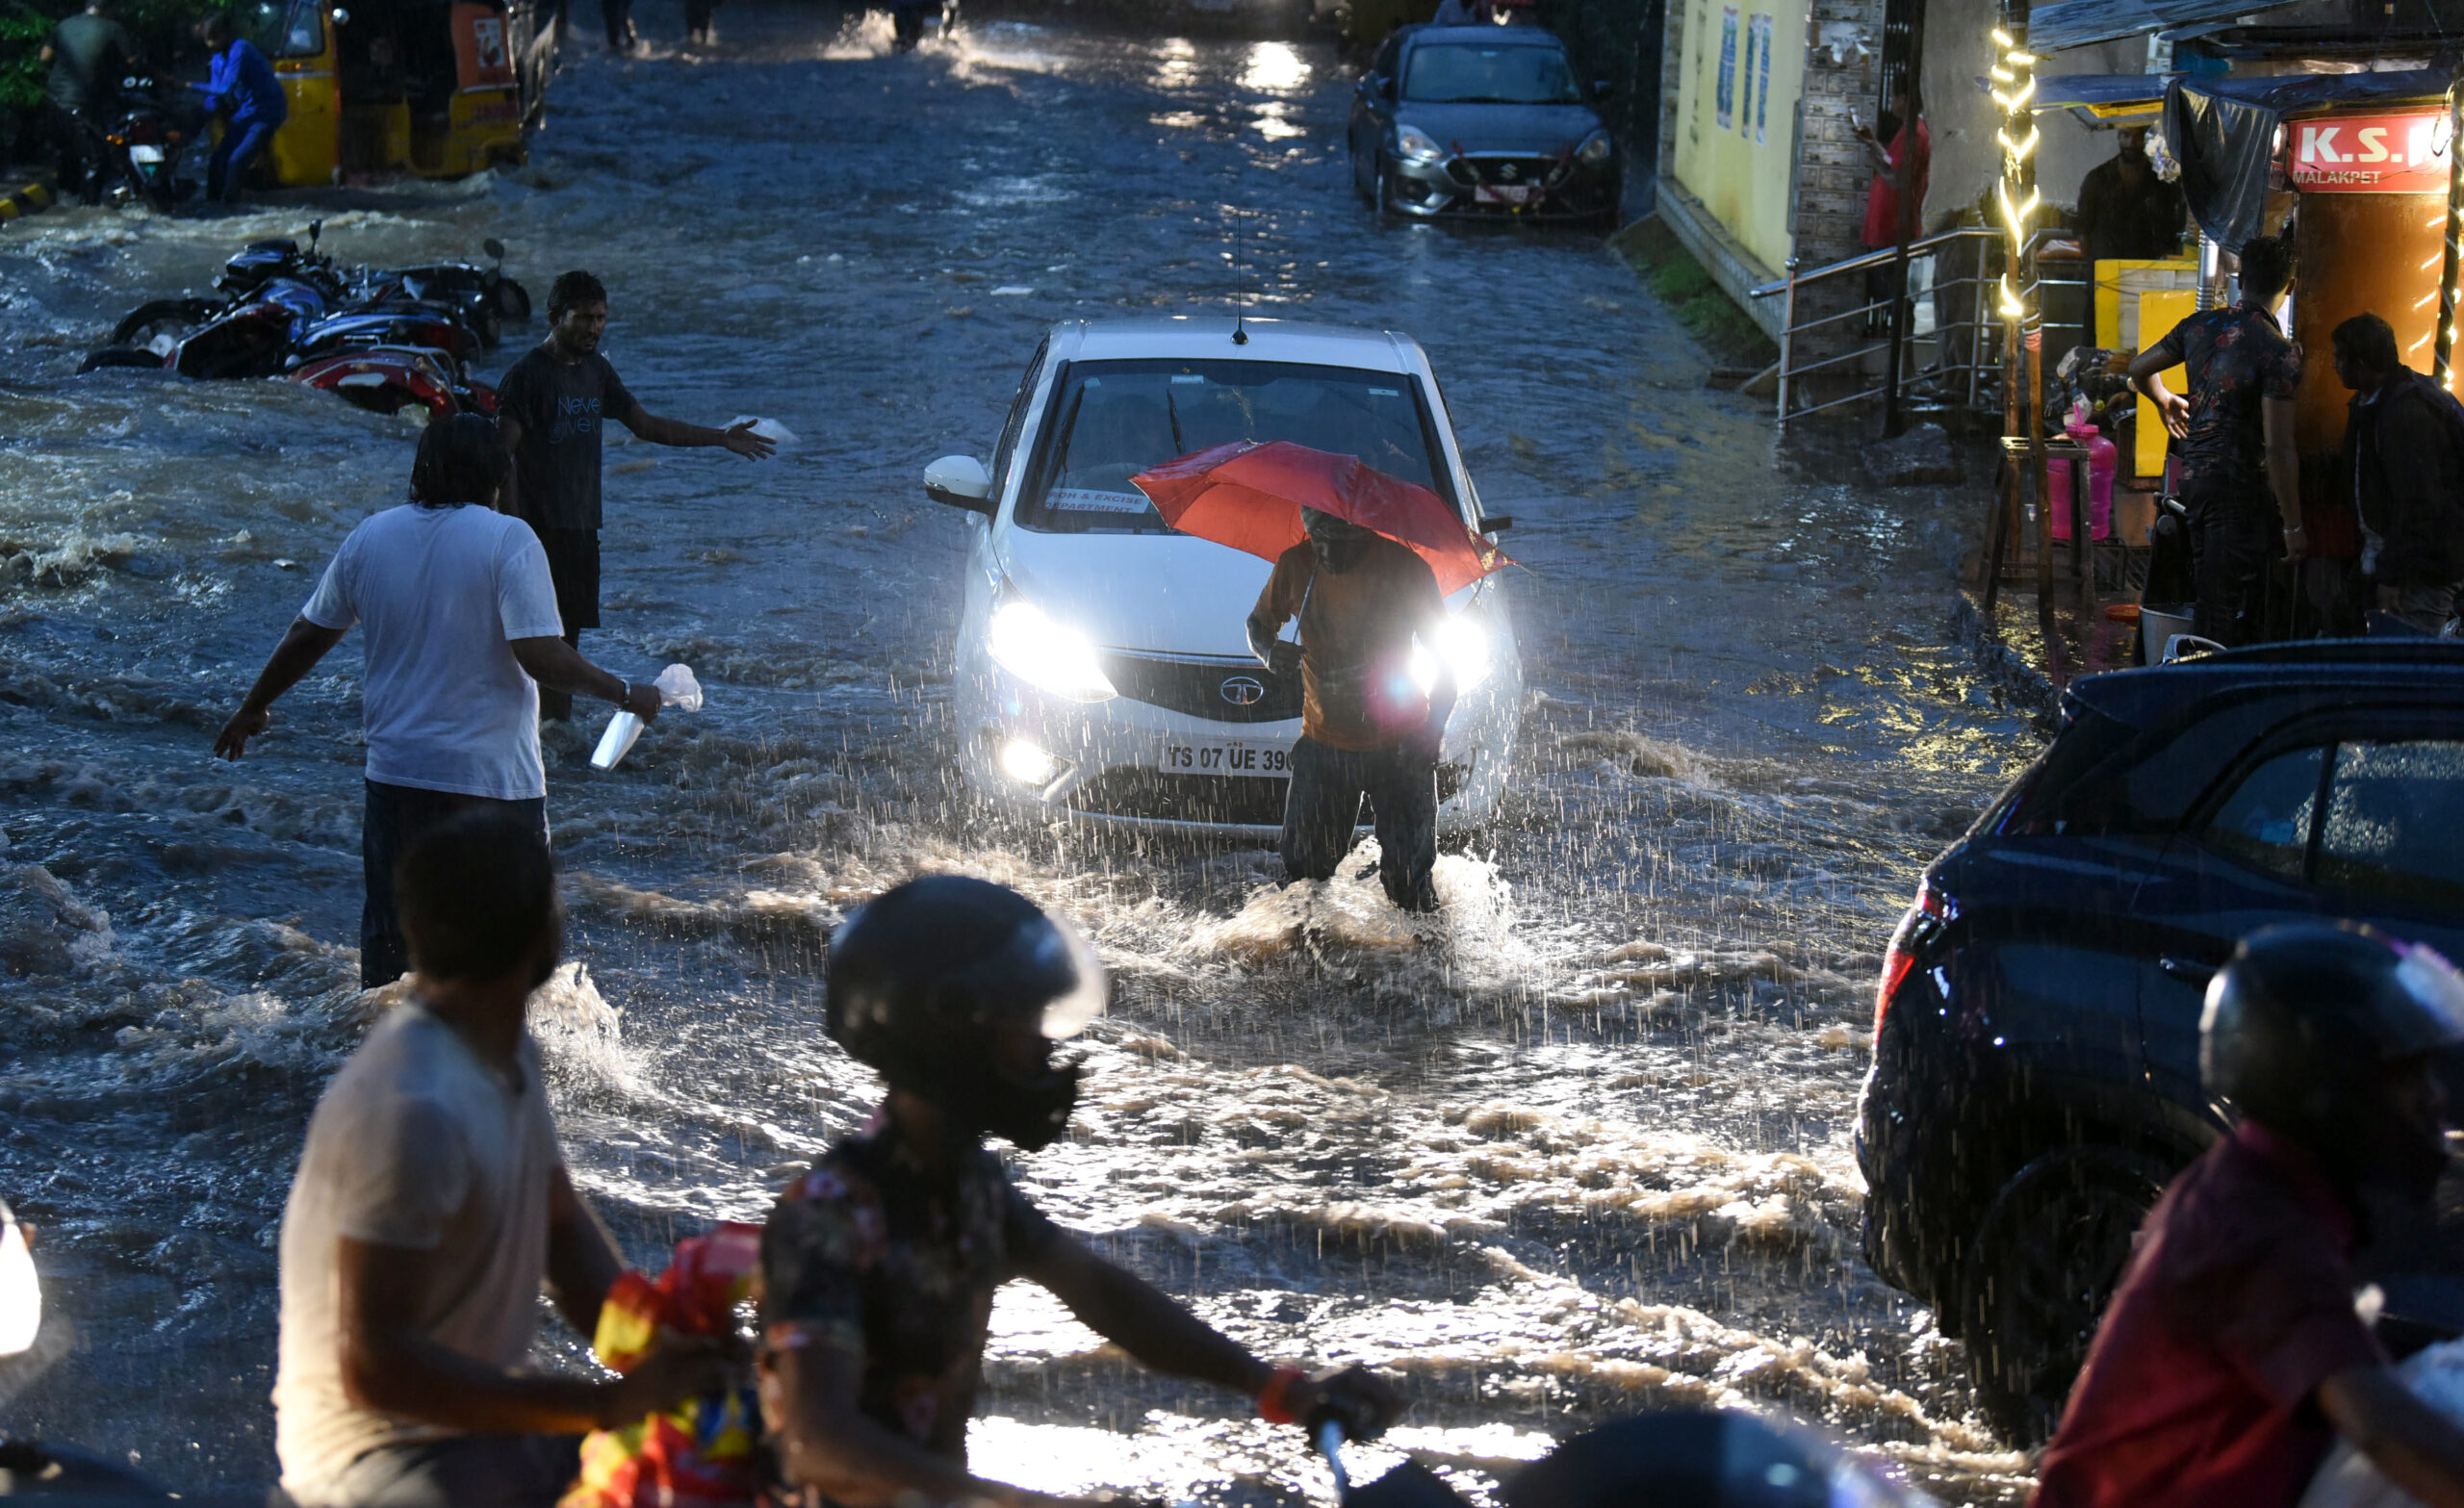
(2446, 347)
(1904, 229)
(1787, 339)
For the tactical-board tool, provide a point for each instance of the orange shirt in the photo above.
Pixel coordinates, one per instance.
(1356, 630)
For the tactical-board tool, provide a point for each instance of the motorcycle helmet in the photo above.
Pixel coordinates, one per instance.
(928, 985)
(2303, 1026)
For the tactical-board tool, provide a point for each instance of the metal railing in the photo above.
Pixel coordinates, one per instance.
(1966, 366)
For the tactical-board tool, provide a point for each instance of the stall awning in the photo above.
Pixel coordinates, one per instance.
(2104, 96)
(2077, 23)
(2222, 131)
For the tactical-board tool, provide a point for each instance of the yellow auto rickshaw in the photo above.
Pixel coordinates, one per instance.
(438, 89)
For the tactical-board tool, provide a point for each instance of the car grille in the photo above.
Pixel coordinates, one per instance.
(1196, 688)
(1245, 801)
(1471, 172)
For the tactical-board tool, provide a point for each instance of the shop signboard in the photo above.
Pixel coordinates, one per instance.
(2369, 154)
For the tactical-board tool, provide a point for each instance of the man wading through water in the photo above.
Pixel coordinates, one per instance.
(1368, 726)
(549, 407)
(878, 1268)
(462, 638)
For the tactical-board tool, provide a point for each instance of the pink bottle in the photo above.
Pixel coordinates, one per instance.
(2102, 456)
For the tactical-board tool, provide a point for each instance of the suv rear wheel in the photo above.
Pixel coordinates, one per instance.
(2047, 1255)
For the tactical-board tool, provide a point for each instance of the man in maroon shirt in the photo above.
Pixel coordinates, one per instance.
(2231, 1356)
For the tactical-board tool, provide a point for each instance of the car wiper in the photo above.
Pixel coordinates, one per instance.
(1172, 412)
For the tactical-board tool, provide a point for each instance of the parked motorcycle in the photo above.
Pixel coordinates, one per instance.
(142, 146)
(385, 339)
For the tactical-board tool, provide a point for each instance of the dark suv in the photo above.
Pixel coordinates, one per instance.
(2035, 1039)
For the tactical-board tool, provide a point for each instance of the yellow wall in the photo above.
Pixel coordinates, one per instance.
(1743, 182)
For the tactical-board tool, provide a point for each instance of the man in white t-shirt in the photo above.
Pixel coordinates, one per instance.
(462, 632)
(430, 1205)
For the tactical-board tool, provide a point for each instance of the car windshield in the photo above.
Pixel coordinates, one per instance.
(1462, 73)
(1116, 419)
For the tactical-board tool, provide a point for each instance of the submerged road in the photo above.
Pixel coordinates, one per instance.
(1590, 1153)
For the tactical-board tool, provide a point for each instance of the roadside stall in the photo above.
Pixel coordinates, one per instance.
(2359, 166)
(437, 89)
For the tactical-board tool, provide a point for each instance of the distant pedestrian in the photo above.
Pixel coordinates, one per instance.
(431, 1208)
(551, 407)
(1895, 193)
(462, 632)
(1464, 12)
(2126, 212)
(2404, 459)
(618, 15)
(2234, 434)
(700, 22)
(88, 54)
(1367, 729)
(243, 88)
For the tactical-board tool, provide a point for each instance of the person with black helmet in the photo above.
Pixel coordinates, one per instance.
(2232, 1355)
(877, 1267)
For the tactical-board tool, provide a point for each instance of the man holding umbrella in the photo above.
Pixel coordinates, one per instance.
(1370, 727)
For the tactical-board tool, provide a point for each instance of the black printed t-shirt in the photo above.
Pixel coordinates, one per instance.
(2235, 359)
(560, 407)
(868, 1257)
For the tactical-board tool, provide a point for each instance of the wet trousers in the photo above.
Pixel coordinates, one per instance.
(2234, 537)
(619, 17)
(242, 142)
(398, 816)
(467, 1472)
(1322, 806)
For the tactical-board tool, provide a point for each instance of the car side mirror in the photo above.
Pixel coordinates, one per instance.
(1604, 88)
(1497, 523)
(1385, 82)
(961, 482)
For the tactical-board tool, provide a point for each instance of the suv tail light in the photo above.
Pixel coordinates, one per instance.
(1915, 933)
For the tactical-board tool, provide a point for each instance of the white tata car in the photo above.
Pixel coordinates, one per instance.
(1103, 671)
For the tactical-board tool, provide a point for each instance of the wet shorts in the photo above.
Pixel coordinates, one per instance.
(572, 565)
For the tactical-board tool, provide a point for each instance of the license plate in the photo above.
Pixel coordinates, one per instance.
(1224, 756)
(1515, 193)
(146, 154)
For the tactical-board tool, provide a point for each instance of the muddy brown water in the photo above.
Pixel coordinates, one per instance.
(1582, 1149)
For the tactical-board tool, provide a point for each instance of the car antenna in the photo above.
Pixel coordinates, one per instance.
(1240, 310)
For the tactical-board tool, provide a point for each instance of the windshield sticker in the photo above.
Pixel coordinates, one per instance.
(1087, 499)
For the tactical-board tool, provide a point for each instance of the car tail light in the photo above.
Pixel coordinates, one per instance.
(1915, 932)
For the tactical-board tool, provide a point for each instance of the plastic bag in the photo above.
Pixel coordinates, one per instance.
(700, 1455)
(2348, 1480)
(676, 688)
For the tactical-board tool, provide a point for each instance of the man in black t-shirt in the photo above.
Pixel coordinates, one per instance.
(2126, 210)
(2234, 434)
(89, 54)
(549, 407)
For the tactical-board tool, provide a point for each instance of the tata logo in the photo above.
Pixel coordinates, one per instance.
(1243, 691)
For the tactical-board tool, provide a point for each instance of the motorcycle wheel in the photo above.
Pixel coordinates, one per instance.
(172, 317)
(117, 356)
(513, 300)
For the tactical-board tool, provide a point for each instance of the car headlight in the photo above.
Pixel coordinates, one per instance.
(1595, 149)
(1041, 653)
(1464, 643)
(1415, 145)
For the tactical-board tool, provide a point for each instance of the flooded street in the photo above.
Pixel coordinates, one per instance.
(1588, 1153)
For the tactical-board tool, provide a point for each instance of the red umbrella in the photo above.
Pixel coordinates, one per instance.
(1249, 496)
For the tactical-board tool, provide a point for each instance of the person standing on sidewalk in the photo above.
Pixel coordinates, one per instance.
(2234, 434)
(2404, 456)
(462, 632)
(550, 409)
(1367, 729)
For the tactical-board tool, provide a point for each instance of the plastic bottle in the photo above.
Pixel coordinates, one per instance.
(676, 688)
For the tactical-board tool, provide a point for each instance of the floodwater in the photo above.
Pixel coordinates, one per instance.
(1583, 1151)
